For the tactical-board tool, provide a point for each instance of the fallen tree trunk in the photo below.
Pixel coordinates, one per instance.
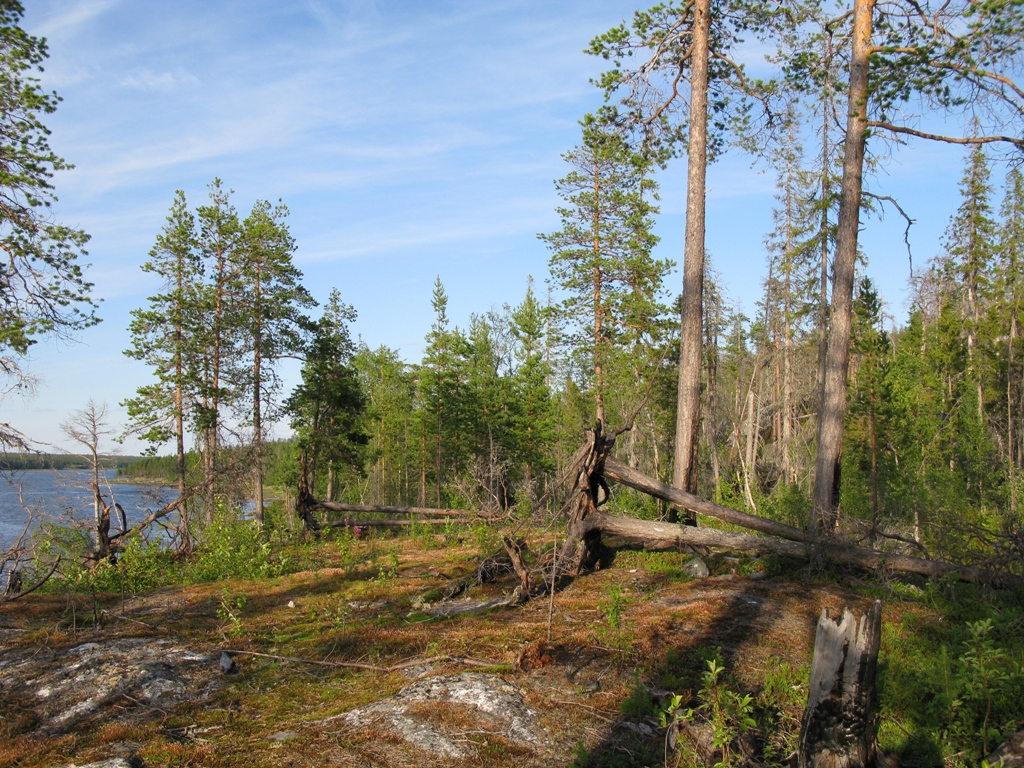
(625, 474)
(387, 523)
(658, 535)
(337, 506)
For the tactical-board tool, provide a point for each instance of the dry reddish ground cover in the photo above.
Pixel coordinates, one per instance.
(592, 686)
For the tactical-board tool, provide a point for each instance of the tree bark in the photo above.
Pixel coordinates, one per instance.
(840, 727)
(825, 515)
(690, 336)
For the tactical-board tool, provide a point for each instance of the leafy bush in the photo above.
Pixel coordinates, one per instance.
(143, 565)
(616, 631)
(730, 714)
(957, 704)
(232, 547)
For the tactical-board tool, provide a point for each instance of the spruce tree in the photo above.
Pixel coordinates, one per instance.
(327, 407)
(970, 245)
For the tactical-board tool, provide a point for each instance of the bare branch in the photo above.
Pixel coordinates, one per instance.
(906, 217)
(970, 141)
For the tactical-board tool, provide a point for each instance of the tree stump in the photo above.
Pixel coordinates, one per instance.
(840, 727)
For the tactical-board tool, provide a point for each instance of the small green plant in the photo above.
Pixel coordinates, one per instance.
(729, 713)
(346, 547)
(340, 615)
(486, 538)
(780, 705)
(580, 755)
(615, 632)
(230, 611)
(422, 533)
(387, 574)
(985, 675)
(638, 702)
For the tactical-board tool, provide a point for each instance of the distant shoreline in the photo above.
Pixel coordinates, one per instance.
(154, 481)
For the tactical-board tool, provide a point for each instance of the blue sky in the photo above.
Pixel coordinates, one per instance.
(410, 139)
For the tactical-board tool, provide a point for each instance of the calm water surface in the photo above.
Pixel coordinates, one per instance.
(64, 496)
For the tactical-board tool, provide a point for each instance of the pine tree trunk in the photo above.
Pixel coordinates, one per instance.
(598, 340)
(257, 402)
(690, 336)
(825, 516)
(184, 534)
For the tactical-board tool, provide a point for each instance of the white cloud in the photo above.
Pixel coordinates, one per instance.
(146, 80)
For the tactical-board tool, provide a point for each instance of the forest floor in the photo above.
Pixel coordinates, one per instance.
(356, 662)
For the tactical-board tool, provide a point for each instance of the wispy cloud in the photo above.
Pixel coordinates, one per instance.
(70, 18)
(147, 80)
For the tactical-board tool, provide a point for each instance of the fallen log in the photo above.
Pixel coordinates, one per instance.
(337, 506)
(812, 548)
(632, 478)
(658, 535)
(388, 523)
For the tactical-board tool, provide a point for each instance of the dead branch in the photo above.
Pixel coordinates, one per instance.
(34, 587)
(370, 667)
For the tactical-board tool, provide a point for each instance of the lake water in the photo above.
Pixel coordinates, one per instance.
(64, 496)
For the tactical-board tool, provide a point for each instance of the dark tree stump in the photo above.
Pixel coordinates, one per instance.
(840, 725)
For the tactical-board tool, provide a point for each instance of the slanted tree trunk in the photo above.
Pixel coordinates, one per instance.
(839, 727)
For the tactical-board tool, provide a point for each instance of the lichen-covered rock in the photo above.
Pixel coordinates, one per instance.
(488, 700)
(66, 687)
(1011, 753)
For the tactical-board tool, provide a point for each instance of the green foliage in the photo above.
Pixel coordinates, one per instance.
(327, 408)
(729, 713)
(580, 755)
(388, 572)
(486, 537)
(616, 630)
(601, 257)
(981, 691)
(230, 611)
(638, 703)
(232, 547)
(953, 688)
(780, 704)
(144, 565)
(43, 287)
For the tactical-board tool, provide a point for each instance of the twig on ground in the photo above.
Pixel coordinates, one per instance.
(371, 667)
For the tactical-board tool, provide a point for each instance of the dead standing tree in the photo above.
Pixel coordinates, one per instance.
(839, 728)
